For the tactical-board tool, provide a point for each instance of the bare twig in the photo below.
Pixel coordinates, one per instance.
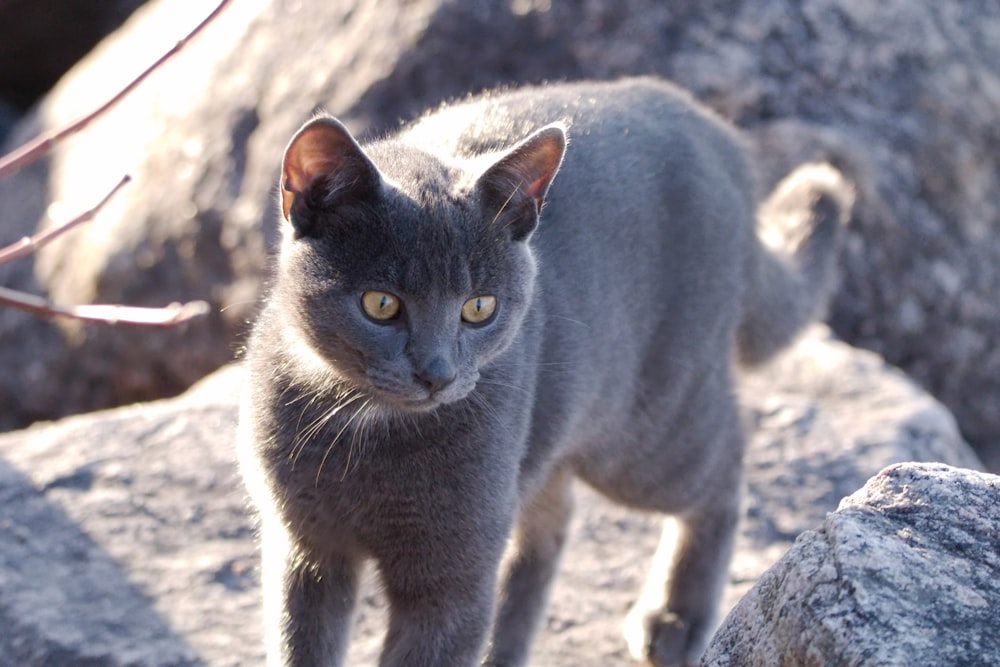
(30, 244)
(42, 144)
(175, 313)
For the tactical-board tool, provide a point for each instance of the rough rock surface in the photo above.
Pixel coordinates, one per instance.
(903, 95)
(124, 536)
(905, 572)
(124, 539)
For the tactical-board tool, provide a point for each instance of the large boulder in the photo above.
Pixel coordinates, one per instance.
(905, 572)
(125, 537)
(902, 96)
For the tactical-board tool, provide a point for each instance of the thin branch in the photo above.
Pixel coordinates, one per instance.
(42, 144)
(30, 244)
(173, 314)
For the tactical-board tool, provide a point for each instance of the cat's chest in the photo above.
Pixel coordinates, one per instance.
(330, 501)
(344, 487)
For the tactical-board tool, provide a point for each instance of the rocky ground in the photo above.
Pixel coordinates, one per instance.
(125, 537)
(903, 97)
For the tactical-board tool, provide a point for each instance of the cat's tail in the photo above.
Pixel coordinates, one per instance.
(791, 274)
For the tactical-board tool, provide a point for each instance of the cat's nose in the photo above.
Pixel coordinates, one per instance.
(436, 375)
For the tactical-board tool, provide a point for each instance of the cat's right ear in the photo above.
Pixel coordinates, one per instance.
(322, 166)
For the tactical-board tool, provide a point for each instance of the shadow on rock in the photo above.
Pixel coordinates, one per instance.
(63, 599)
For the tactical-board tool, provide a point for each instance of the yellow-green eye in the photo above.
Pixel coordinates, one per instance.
(380, 305)
(479, 309)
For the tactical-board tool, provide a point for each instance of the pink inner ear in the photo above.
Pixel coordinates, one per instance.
(304, 165)
(537, 187)
(319, 149)
(300, 170)
(316, 151)
(544, 162)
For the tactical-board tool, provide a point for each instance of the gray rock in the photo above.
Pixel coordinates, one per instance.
(903, 96)
(905, 572)
(63, 599)
(824, 418)
(125, 537)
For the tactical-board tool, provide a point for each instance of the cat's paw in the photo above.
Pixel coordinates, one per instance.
(662, 639)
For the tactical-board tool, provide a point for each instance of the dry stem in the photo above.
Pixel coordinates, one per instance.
(30, 244)
(175, 313)
(34, 149)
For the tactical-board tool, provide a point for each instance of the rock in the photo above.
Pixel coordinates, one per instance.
(65, 600)
(125, 539)
(903, 97)
(905, 572)
(824, 418)
(137, 518)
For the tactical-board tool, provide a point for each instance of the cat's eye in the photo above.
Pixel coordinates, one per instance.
(479, 309)
(380, 306)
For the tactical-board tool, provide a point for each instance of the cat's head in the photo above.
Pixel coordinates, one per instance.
(400, 274)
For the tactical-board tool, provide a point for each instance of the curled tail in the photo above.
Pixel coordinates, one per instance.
(791, 273)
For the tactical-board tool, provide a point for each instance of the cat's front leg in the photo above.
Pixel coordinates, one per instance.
(308, 606)
(440, 607)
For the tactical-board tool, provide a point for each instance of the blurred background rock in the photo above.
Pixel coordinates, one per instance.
(41, 39)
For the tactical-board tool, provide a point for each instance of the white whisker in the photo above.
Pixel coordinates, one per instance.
(305, 435)
(485, 407)
(358, 438)
(505, 385)
(506, 203)
(343, 429)
(568, 319)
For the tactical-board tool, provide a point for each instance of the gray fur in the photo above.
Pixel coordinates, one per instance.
(424, 442)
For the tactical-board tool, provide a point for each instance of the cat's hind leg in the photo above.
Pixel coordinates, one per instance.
(532, 564)
(700, 487)
(675, 615)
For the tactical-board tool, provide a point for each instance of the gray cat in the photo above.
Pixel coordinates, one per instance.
(455, 333)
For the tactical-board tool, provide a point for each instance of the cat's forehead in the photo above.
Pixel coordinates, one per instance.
(424, 232)
(425, 203)
(431, 256)
(422, 176)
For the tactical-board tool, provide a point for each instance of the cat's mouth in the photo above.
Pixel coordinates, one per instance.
(415, 396)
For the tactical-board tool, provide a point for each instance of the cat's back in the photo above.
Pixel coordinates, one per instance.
(649, 174)
(601, 116)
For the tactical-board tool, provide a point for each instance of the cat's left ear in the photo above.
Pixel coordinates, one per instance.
(514, 188)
